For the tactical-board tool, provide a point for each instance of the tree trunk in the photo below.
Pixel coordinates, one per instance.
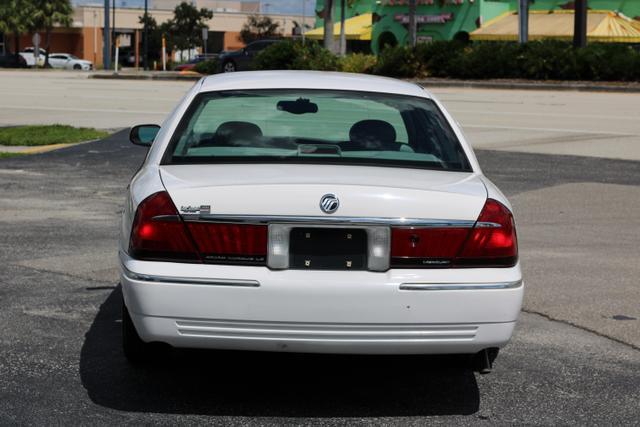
(328, 25)
(413, 27)
(343, 38)
(16, 42)
(47, 48)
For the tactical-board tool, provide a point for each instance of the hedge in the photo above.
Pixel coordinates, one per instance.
(537, 60)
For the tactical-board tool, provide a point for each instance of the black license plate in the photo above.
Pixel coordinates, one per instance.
(328, 249)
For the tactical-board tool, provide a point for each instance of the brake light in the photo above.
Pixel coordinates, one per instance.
(158, 232)
(493, 241)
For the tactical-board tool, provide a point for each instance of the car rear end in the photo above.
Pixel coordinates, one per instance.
(236, 245)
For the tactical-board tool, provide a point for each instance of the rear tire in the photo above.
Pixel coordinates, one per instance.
(135, 350)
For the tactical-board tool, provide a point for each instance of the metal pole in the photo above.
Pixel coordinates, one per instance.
(113, 26)
(95, 38)
(523, 17)
(145, 48)
(106, 38)
(413, 26)
(580, 24)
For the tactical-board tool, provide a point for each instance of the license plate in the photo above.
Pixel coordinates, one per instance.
(328, 248)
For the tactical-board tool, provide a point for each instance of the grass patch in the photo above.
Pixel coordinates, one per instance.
(4, 155)
(47, 134)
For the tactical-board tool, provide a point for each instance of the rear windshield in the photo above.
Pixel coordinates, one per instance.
(312, 126)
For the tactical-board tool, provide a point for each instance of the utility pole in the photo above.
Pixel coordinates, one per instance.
(145, 48)
(113, 27)
(580, 24)
(106, 38)
(523, 18)
(413, 26)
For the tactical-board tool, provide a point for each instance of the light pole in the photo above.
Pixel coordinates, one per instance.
(106, 38)
(523, 18)
(145, 48)
(580, 24)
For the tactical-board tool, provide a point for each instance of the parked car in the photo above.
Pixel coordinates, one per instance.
(190, 65)
(29, 57)
(10, 60)
(240, 60)
(315, 212)
(69, 62)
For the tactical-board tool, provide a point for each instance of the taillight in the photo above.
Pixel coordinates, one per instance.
(490, 243)
(160, 234)
(230, 243)
(426, 247)
(493, 241)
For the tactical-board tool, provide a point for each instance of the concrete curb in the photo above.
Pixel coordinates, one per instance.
(26, 149)
(147, 76)
(531, 85)
(429, 82)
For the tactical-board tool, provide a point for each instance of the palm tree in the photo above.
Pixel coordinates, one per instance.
(328, 25)
(343, 38)
(49, 13)
(16, 19)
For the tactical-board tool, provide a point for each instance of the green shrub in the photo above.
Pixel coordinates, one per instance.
(398, 61)
(437, 57)
(210, 66)
(358, 63)
(293, 55)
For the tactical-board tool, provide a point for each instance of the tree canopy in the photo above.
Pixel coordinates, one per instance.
(258, 27)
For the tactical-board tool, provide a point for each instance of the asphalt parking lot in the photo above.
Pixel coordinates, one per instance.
(574, 359)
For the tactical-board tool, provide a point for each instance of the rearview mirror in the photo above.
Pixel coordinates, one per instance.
(299, 106)
(143, 134)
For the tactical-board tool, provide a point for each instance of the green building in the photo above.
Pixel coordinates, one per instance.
(449, 19)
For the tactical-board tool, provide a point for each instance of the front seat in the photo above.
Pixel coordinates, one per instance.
(234, 134)
(372, 135)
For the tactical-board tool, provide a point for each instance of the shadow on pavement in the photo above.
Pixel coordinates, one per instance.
(269, 384)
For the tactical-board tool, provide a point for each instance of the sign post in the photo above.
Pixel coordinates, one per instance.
(36, 49)
(205, 37)
(164, 53)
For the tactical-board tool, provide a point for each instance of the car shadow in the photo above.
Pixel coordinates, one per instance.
(269, 384)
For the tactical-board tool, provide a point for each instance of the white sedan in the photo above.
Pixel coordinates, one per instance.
(69, 62)
(315, 212)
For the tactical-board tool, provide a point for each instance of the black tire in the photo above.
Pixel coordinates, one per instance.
(77, 67)
(229, 67)
(135, 350)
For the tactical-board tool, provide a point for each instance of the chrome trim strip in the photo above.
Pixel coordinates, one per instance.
(458, 287)
(350, 220)
(189, 281)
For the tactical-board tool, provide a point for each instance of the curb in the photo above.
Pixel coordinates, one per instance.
(431, 83)
(165, 77)
(40, 148)
(524, 85)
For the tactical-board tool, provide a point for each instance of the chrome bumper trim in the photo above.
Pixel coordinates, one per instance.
(190, 280)
(458, 287)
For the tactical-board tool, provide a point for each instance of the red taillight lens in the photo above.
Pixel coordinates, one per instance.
(158, 232)
(426, 247)
(230, 243)
(493, 241)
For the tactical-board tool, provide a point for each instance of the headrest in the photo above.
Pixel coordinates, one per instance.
(232, 132)
(372, 133)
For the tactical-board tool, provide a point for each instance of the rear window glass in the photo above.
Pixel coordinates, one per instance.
(307, 126)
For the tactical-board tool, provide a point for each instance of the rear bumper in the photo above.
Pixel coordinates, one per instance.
(254, 308)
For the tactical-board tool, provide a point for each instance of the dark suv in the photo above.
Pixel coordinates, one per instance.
(240, 60)
(10, 60)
